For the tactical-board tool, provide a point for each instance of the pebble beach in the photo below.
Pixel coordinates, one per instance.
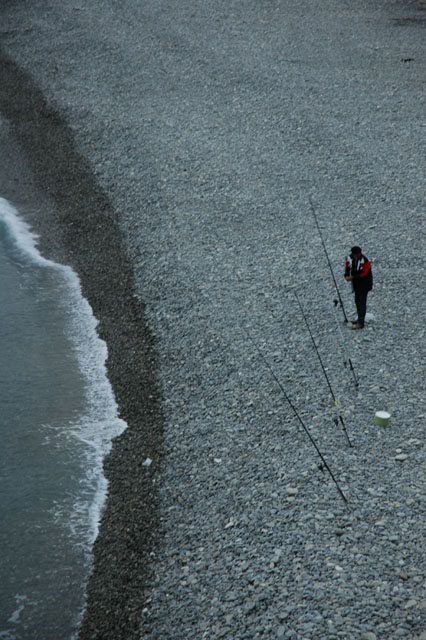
(175, 148)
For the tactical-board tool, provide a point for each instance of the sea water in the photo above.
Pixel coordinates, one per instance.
(57, 419)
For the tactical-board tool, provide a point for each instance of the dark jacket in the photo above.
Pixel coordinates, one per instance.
(360, 270)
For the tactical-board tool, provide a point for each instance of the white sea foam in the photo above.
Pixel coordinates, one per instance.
(101, 423)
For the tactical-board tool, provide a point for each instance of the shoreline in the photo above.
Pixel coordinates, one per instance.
(80, 230)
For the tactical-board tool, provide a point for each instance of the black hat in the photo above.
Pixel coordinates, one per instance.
(355, 251)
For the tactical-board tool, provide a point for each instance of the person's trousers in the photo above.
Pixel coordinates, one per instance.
(361, 304)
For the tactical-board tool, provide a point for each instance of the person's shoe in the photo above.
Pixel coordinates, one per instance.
(354, 321)
(357, 325)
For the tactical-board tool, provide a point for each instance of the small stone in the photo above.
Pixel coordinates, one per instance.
(410, 603)
(147, 462)
(249, 607)
(401, 457)
(368, 635)
(292, 491)
(276, 556)
(404, 575)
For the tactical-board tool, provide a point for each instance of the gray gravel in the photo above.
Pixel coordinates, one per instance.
(207, 126)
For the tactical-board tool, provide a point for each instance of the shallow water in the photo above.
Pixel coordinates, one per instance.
(57, 418)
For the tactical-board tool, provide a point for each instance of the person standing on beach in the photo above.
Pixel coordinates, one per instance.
(358, 271)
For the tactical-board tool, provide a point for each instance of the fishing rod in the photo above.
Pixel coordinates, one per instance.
(328, 259)
(324, 462)
(345, 348)
(296, 413)
(335, 403)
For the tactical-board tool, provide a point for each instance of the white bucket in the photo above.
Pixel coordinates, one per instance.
(382, 418)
